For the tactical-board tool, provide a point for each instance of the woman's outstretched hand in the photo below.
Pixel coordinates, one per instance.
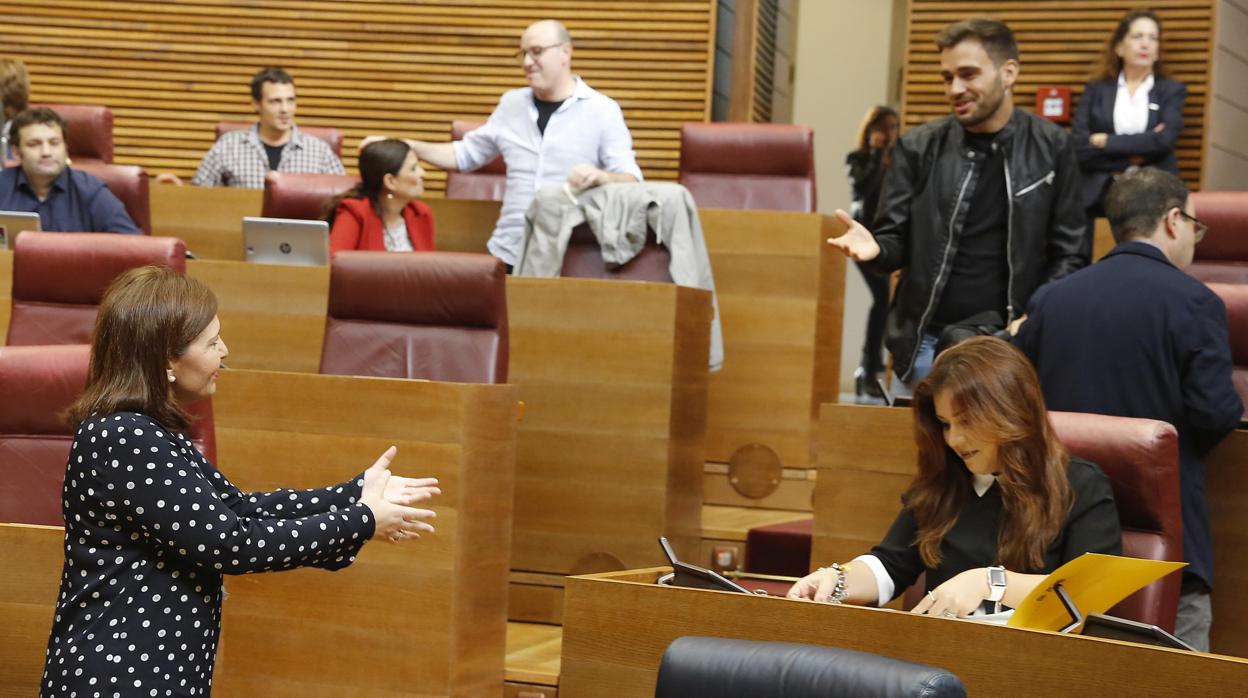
(391, 498)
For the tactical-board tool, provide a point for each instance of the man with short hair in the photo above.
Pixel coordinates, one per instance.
(979, 208)
(556, 130)
(242, 158)
(67, 200)
(1134, 336)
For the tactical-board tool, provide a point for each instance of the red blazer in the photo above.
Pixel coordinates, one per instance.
(358, 227)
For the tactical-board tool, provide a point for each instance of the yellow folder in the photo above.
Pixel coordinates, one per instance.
(1094, 582)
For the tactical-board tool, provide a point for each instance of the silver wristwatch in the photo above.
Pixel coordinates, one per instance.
(996, 583)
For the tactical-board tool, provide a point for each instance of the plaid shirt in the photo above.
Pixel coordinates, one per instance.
(238, 159)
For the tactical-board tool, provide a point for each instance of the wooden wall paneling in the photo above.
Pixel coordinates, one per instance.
(171, 70)
(618, 625)
(867, 458)
(1060, 43)
(426, 618)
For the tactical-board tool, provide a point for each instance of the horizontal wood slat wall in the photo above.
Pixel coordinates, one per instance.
(1060, 42)
(171, 69)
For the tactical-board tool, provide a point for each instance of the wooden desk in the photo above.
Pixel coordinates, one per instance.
(31, 558)
(6, 293)
(867, 458)
(208, 219)
(617, 626)
(426, 618)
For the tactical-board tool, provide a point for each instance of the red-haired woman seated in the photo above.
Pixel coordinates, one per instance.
(997, 502)
(384, 211)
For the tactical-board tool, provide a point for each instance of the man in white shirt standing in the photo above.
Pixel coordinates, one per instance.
(556, 130)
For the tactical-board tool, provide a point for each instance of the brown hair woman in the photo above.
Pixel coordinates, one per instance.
(996, 504)
(151, 526)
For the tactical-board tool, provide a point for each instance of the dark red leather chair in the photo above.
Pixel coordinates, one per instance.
(90, 137)
(433, 315)
(1222, 256)
(130, 184)
(488, 183)
(749, 166)
(35, 437)
(1141, 458)
(330, 135)
(1235, 296)
(583, 259)
(303, 196)
(59, 279)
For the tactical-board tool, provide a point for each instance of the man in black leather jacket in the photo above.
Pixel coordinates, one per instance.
(980, 207)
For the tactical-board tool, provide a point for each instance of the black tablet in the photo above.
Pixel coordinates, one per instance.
(1112, 628)
(694, 577)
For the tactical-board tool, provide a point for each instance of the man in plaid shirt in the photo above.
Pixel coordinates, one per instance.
(242, 158)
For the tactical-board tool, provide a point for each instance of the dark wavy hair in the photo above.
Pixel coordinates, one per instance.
(377, 160)
(1110, 64)
(875, 119)
(149, 316)
(995, 389)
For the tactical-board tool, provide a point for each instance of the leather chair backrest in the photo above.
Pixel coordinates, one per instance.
(488, 183)
(433, 315)
(1141, 459)
(59, 279)
(1235, 296)
(583, 259)
(712, 667)
(35, 437)
(749, 166)
(130, 184)
(302, 196)
(330, 135)
(90, 126)
(1222, 256)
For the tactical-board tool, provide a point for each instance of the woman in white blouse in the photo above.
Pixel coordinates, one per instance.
(1130, 115)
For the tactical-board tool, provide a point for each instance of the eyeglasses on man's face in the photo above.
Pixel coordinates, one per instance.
(1198, 229)
(535, 52)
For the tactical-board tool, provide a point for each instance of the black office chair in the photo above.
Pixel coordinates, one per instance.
(710, 667)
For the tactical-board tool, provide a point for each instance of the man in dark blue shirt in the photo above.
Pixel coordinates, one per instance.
(65, 199)
(1134, 336)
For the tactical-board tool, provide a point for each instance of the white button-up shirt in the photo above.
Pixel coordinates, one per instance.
(588, 128)
(1131, 110)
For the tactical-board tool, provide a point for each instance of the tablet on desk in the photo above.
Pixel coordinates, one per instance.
(285, 241)
(694, 577)
(14, 222)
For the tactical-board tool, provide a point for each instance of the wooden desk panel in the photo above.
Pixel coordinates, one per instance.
(6, 293)
(616, 627)
(31, 558)
(867, 458)
(781, 298)
(444, 595)
(463, 225)
(208, 219)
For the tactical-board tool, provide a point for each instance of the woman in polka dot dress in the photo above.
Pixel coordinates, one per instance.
(151, 526)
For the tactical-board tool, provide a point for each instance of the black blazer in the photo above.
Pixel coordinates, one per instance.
(1133, 336)
(1095, 114)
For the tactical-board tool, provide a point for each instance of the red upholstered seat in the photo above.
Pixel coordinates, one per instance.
(782, 548)
(489, 183)
(433, 315)
(59, 278)
(130, 184)
(1235, 296)
(330, 135)
(90, 137)
(583, 259)
(303, 196)
(34, 436)
(1222, 256)
(749, 166)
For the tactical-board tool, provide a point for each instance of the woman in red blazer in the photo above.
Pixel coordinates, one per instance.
(383, 213)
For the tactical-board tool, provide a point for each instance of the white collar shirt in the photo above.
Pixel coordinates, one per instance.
(1131, 110)
(587, 128)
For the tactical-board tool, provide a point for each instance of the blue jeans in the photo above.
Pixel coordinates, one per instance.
(924, 356)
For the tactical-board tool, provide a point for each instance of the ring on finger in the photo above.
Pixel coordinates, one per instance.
(950, 613)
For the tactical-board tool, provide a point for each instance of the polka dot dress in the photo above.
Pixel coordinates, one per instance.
(150, 527)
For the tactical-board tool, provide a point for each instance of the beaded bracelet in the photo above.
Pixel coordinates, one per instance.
(841, 590)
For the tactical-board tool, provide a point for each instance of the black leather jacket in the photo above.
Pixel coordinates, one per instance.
(925, 202)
